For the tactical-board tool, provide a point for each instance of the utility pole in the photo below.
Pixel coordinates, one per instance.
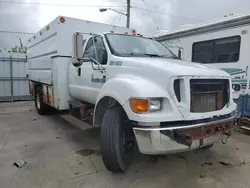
(128, 13)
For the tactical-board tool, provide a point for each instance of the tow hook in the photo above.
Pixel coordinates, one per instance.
(228, 134)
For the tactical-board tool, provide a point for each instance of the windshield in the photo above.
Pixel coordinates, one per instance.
(128, 45)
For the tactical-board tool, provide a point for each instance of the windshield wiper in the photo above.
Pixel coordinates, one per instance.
(146, 54)
(154, 55)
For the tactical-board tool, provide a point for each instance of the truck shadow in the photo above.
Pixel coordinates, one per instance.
(87, 143)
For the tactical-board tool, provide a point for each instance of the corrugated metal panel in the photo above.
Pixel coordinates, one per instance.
(243, 105)
(13, 78)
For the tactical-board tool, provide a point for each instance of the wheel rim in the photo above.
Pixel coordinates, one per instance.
(38, 105)
(127, 142)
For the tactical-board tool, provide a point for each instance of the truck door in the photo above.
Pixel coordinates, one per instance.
(88, 76)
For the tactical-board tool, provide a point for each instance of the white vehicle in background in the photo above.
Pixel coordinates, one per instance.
(137, 90)
(224, 44)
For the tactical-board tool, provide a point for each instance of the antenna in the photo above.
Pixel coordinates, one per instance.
(21, 44)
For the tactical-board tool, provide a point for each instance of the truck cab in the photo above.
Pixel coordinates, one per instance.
(140, 94)
(166, 100)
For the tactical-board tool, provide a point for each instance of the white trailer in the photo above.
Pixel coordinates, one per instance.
(138, 91)
(224, 44)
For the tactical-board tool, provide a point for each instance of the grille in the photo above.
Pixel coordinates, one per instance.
(208, 94)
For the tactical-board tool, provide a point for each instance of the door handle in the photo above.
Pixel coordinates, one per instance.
(79, 71)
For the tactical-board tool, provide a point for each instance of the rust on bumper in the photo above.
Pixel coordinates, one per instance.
(187, 136)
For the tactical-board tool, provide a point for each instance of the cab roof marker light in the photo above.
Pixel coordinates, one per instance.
(62, 19)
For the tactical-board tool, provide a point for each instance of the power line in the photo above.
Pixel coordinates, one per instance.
(118, 16)
(58, 5)
(16, 32)
(162, 13)
(150, 14)
(94, 6)
(103, 1)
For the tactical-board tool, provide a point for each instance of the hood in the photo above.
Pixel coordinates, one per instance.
(174, 66)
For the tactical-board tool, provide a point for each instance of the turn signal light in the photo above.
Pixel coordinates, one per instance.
(139, 105)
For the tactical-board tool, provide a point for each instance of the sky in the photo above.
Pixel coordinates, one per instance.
(164, 15)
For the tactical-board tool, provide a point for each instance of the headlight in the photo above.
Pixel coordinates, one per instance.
(154, 105)
(145, 105)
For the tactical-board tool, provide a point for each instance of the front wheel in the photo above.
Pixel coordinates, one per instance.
(117, 140)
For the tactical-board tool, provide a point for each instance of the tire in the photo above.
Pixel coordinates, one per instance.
(208, 146)
(117, 140)
(41, 107)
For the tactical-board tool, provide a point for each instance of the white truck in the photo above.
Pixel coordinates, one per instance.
(135, 89)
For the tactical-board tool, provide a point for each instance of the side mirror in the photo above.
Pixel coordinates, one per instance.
(236, 87)
(77, 49)
(78, 45)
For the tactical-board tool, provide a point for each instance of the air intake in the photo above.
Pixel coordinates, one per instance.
(177, 90)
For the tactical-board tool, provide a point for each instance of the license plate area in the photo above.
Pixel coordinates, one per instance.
(187, 136)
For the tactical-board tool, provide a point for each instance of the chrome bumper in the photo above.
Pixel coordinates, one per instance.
(172, 139)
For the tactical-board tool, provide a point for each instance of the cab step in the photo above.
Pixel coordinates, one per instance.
(76, 122)
(82, 111)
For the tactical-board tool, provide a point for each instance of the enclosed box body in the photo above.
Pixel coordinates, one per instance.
(47, 50)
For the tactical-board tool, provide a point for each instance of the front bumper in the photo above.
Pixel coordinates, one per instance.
(173, 139)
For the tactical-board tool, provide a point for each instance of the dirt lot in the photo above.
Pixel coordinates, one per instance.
(54, 155)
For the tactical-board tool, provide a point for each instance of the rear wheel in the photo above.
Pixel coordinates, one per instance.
(41, 107)
(117, 140)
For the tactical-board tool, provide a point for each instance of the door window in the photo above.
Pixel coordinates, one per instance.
(96, 50)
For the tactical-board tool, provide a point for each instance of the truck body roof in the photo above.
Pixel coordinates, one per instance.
(56, 37)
